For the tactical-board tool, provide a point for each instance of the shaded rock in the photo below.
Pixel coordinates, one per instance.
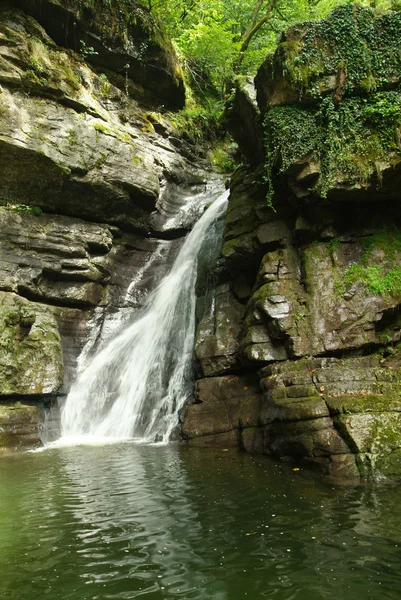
(244, 123)
(223, 404)
(125, 40)
(216, 344)
(305, 439)
(252, 440)
(218, 440)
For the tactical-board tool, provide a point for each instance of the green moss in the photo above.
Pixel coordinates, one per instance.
(199, 123)
(332, 246)
(366, 403)
(72, 137)
(101, 128)
(346, 135)
(375, 278)
(48, 66)
(9, 204)
(379, 269)
(100, 161)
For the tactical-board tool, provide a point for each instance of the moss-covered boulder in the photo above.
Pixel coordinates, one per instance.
(334, 88)
(320, 410)
(30, 348)
(355, 50)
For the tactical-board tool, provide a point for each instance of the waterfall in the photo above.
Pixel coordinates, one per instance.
(136, 386)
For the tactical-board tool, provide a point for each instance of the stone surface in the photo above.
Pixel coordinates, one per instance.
(223, 404)
(313, 249)
(93, 180)
(120, 39)
(30, 347)
(243, 121)
(216, 344)
(19, 426)
(88, 148)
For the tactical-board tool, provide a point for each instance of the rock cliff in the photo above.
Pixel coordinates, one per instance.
(92, 180)
(299, 353)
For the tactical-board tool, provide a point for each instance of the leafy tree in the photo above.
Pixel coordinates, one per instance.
(224, 38)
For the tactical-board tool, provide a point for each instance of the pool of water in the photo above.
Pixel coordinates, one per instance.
(125, 521)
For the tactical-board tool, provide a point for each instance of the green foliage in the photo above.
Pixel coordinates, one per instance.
(208, 33)
(333, 246)
(37, 71)
(352, 40)
(198, 123)
(346, 139)
(212, 51)
(222, 156)
(86, 50)
(383, 278)
(376, 279)
(17, 207)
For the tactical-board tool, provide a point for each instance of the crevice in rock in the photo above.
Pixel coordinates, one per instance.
(37, 297)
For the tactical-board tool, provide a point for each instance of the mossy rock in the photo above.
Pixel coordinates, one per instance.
(30, 346)
(353, 50)
(120, 37)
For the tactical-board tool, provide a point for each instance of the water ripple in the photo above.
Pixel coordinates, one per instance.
(124, 521)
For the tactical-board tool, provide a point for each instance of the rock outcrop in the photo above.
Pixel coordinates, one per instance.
(313, 248)
(92, 181)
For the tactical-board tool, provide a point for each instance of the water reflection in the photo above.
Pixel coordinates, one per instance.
(126, 521)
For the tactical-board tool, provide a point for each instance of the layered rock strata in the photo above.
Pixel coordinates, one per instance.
(93, 179)
(312, 247)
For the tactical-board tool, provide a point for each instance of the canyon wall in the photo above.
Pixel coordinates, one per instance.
(298, 353)
(92, 180)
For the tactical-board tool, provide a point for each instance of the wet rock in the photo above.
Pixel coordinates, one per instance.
(123, 40)
(88, 148)
(19, 426)
(218, 440)
(252, 440)
(223, 404)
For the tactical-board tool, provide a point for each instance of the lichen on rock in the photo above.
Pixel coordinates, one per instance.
(32, 362)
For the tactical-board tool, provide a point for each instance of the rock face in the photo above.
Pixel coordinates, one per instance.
(32, 361)
(92, 182)
(312, 247)
(20, 425)
(88, 149)
(119, 38)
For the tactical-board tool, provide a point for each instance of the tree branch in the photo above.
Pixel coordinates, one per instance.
(253, 28)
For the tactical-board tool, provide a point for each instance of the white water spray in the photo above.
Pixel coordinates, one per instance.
(136, 386)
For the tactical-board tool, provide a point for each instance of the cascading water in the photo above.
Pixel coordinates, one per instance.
(136, 386)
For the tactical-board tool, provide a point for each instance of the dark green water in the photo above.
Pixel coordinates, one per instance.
(124, 522)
